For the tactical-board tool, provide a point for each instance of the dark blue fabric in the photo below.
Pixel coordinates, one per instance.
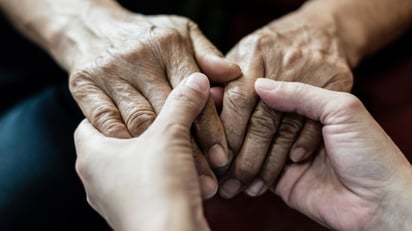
(39, 189)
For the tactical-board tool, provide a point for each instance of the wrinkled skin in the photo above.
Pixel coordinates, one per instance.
(123, 74)
(261, 139)
(148, 182)
(358, 178)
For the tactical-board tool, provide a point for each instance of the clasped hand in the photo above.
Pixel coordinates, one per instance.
(357, 180)
(123, 66)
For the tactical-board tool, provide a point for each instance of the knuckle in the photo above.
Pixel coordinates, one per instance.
(292, 56)
(81, 82)
(351, 103)
(257, 41)
(318, 58)
(343, 79)
(290, 127)
(180, 20)
(107, 120)
(139, 121)
(239, 97)
(192, 25)
(246, 170)
(300, 89)
(168, 36)
(263, 123)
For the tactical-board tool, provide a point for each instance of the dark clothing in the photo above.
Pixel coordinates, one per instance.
(39, 189)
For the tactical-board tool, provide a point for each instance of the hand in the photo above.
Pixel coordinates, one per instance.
(124, 65)
(289, 49)
(149, 182)
(359, 179)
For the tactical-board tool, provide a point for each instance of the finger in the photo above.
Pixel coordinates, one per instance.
(288, 132)
(185, 102)
(217, 94)
(262, 127)
(88, 143)
(303, 99)
(239, 100)
(83, 134)
(307, 142)
(154, 86)
(210, 59)
(208, 126)
(97, 107)
(136, 111)
(207, 179)
(210, 135)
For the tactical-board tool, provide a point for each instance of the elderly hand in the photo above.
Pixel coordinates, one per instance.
(124, 65)
(297, 48)
(149, 182)
(358, 179)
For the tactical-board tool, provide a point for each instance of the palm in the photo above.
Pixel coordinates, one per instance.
(341, 186)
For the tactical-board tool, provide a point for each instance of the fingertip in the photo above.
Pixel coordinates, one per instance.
(185, 102)
(219, 69)
(297, 154)
(264, 85)
(198, 82)
(230, 188)
(218, 156)
(208, 186)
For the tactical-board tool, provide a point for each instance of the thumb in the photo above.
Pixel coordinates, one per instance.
(185, 102)
(312, 102)
(210, 59)
(86, 136)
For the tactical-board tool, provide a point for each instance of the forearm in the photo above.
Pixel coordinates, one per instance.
(49, 23)
(364, 26)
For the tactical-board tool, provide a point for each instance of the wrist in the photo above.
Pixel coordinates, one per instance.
(81, 31)
(363, 27)
(395, 211)
(176, 213)
(312, 27)
(348, 35)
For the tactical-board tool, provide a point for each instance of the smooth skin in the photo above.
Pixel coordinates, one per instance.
(358, 180)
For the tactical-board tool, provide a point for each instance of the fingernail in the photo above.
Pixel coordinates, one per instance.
(256, 188)
(208, 186)
(230, 188)
(266, 84)
(297, 154)
(217, 156)
(222, 170)
(198, 82)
